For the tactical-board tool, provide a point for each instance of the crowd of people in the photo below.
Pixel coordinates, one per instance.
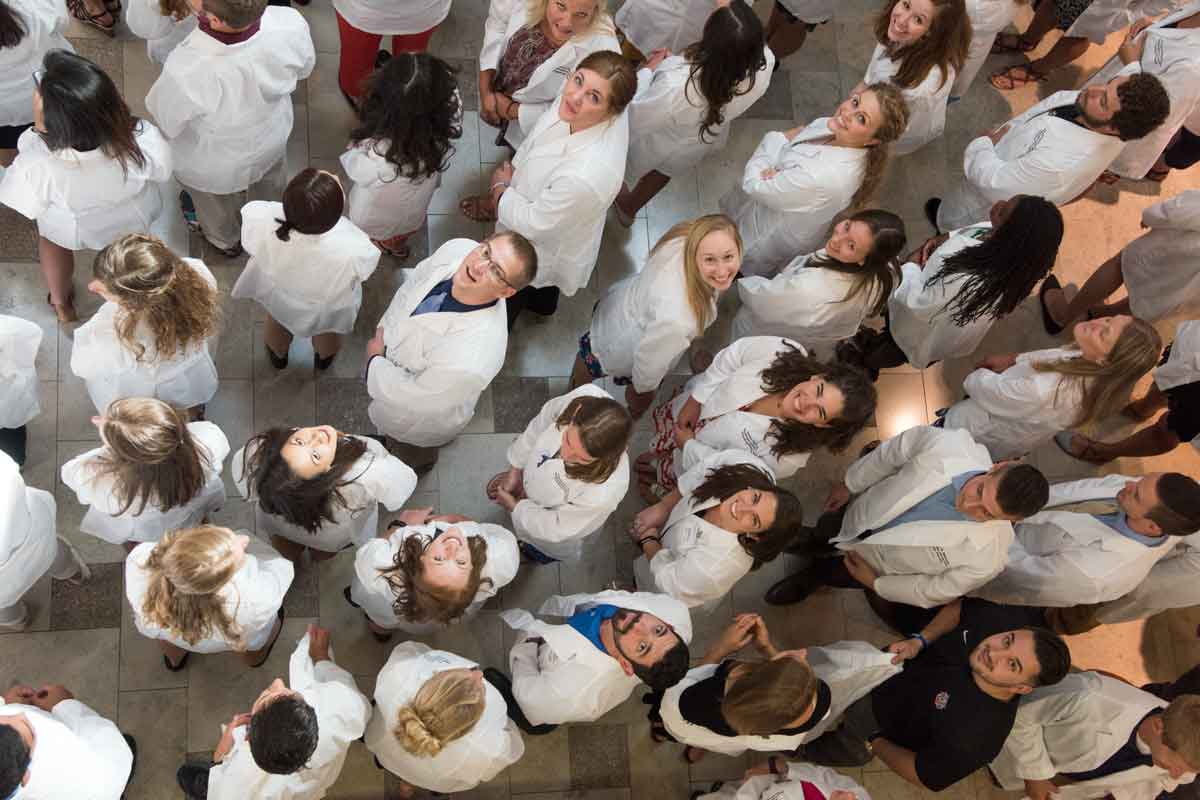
(961, 546)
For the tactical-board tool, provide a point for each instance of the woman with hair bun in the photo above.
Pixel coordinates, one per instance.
(438, 724)
(208, 590)
(307, 266)
(151, 337)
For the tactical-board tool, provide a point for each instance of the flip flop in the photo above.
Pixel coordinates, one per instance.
(1052, 327)
(472, 208)
(1019, 45)
(1015, 82)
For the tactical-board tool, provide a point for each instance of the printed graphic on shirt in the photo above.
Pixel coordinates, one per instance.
(941, 701)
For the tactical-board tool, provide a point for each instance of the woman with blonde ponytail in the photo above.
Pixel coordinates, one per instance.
(438, 724)
(208, 590)
(151, 336)
(799, 180)
(154, 472)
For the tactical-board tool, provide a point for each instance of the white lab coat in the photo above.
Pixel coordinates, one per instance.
(919, 316)
(28, 543)
(562, 186)
(1183, 365)
(1174, 582)
(789, 786)
(253, 597)
(849, 669)
(45, 23)
(376, 477)
(504, 19)
(1064, 558)
(112, 372)
(789, 213)
(699, 562)
(1075, 726)
(670, 24)
(492, 744)
(988, 18)
(1103, 17)
(310, 284)
(83, 200)
(229, 129)
(425, 387)
(382, 202)
(733, 380)
(342, 713)
(927, 563)
(566, 678)
(666, 113)
(559, 512)
(98, 493)
(802, 302)
(1172, 56)
(1040, 155)
(162, 32)
(78, 753)
(19, 342)
(1162, 274)
(644, 323)
(389, 18)
(926, 101)
(1012, 412)
(370, 589)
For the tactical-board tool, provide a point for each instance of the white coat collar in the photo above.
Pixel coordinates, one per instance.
(562, 146)
(819, 129)
(666, 608)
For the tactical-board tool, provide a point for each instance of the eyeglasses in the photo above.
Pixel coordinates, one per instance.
(485, 254)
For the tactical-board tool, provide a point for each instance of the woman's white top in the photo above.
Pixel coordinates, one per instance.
(19, 342)
(252, 598)
(370, 589)
(28, 543)
(918, 314)
(504, 19)
(644, 323)
(45, 22)
(310, 284)
(83, 200)
(699, 562)
(103, 519)
(666, 112)
(382, 202)
(988, 18)
(162, 32)
(790, 786)
(228, 130)
(1012, 412)
(492, 744)
(376, 477)
(806, 303)
(1183, 364)
(391, 18)
(790, 212)
(562, 186)
(734, 380)
(112, 372)
(1161, 270)
(558, 512)
(926, 101)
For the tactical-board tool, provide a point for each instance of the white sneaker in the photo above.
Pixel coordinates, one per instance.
(85, 572)
(19, 625)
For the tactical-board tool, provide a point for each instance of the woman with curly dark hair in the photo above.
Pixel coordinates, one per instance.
(427, 572)
(684, 107)
(764, 395)
(409, 113)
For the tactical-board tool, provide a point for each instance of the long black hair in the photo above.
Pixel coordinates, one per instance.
(83, 110)
(730, 50)
(411, 106)
(12, 27)
(1002, 270)
(792, 367)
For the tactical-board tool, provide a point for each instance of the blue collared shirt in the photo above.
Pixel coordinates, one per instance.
(1119, 522)
(937, 507)
(589, 620)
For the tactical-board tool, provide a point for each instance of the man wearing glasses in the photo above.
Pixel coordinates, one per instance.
(442, 341)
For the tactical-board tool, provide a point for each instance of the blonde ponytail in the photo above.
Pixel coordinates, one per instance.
(187, 569)
(445, 708)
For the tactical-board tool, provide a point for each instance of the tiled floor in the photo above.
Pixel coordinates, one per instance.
(84, 638)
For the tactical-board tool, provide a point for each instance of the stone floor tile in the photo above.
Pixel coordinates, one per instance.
(303, 595)
(623, 252)
(354, 646)
(468, 82)
(287, 397)
(140, 75)
(75, 408)
(776, 102)
(18, 236)
(599, 756)
(158, 722)
(343, 404)
(460, 35)
(322, 24)
(466, 173)
(25, 297)
(41, 446)
(544, 346)
(232, 410)
(37, 599)
(441, 228)
(516, 401)
(901, 404)
(85, 661)
(484, 419)
(464, 468)
(330, 117)
(889, 786)
(533, 584)
(480, 639)
(70, 514)
(107, 53)
(679, 201)
(718, 767)
(359, 779)
(656, 771)
(545, 766)
(95, 604)
(141, 665)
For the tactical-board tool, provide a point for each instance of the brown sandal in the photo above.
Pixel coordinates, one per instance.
(79, 11)
(1010, 43)
(1014, 80)
(65, 312)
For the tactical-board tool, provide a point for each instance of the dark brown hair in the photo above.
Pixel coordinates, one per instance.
(877, 272)
(730, 51)
(604, 427)
(724, 482)
(791, 367)
(620, 74)
(1145, 105)
(417, 601)
(944, 45)
(312, 203)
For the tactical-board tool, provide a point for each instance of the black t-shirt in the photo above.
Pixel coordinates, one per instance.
(935, 708)
(700, 704)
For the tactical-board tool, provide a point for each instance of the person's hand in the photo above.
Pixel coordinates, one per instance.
(505, 500)
(50, 695)
(488, 107)
(416, 516)
(860, 570)
(1130, 51)
(20, 694)
(318, 643)
(736, 635)
(637, 402)
(683, 434)
(451, 518)
(998, 362)
(503, 172)
(656, 57)
(648, 520)
(509, 480)
(226, 742)
(375, 346)
(839, 495)
(922, 254)
(904, 650)
(998, 134)
(762, 638)
(1040, 790)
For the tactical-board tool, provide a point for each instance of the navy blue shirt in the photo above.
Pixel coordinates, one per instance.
(440, 298)
(1128, 757)
(588, 622)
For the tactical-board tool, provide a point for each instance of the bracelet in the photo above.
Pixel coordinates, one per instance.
(922, 639)
(499, 183)
(642, 541)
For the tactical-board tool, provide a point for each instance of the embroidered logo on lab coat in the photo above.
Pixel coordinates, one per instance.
(941, 701)
(1037, 139)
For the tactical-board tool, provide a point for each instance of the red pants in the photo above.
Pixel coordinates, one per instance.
(359, 49)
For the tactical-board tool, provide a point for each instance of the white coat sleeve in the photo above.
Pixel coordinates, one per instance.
(930, 591)
(105, 741)
(1026, 744)
(664, 340)
(1053, 580)
(521, 448)
(1102, 488)
(174, 100)
(1181, 212)
(390, 481)
(889, 458)
(788, 189)
(1006, 396)
(998, 179)
(275, 573)
(687, 577)
(722, 368)
(651, 107)
(559, 523)
(546, 697)
(437, 387)
(338, 695)
(494, 29)
(692, 453)
(541, 218)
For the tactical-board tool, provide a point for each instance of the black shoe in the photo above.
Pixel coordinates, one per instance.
(931, 211)
(806, 543)
(503, 685)
(176, 667)
(835, 749)
(193, 779)
(1052, 327)
(353, 103)
(277, 361)
(793, 589)
(349, 599)
(381, 58)
(129, 740)
(323, 364)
